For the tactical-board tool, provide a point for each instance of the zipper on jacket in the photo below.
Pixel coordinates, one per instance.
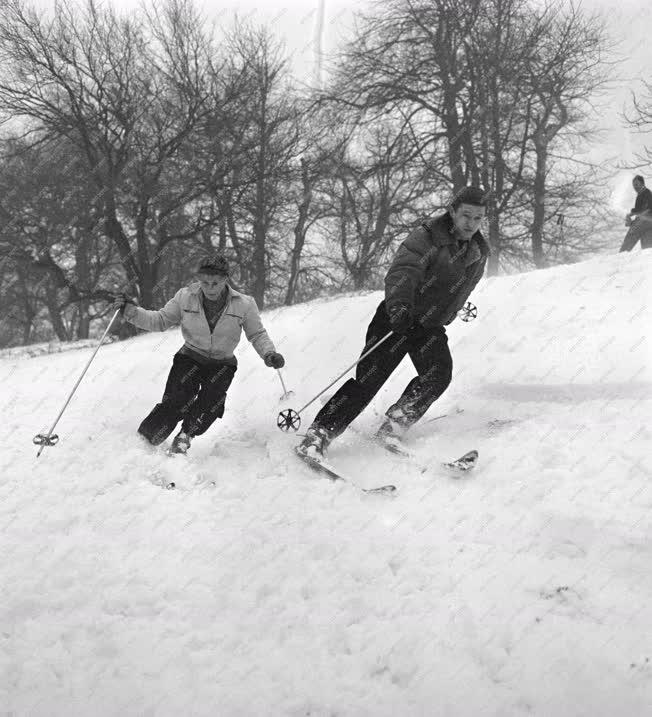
(219, 318)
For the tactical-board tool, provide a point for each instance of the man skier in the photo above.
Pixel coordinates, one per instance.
(434, 271)
(211, 315)
(639, 219)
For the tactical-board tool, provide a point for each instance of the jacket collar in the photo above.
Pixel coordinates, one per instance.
(442, 232)
(441, 229)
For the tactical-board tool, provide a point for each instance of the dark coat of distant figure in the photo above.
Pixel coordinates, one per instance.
(639, 219)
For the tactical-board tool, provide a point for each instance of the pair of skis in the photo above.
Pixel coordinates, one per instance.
(326, 470)
(322, 467)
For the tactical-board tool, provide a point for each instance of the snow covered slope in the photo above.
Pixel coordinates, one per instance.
(522, 589)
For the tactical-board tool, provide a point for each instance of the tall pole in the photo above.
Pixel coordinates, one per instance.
(319, 44)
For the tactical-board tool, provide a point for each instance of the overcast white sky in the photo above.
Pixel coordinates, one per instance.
(296, 21)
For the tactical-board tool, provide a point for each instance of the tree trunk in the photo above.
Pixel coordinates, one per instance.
(147, 278)
(84, 323)
(539, 195)
(28, 310)
(299, 235)
(114, 231)
(83, 281)
(260, 228)
(449, 117)
(539, 212)
(222, 234)
(360, 274)
(494, 243)
(52, 303)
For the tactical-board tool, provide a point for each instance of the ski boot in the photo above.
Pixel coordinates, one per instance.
(314, 443)
(180, 443)
(390, 435)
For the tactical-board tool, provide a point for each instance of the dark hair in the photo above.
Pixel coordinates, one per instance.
(470, 195)
(217, 264)
(640, 179)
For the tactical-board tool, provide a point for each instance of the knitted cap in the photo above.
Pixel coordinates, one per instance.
(214, 265)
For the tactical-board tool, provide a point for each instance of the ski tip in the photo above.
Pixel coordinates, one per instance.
(464, 463)
(382, 490)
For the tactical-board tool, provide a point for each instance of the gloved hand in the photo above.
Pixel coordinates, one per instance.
(628, 220)
(274, 360)
(401, 318)
(120, 301)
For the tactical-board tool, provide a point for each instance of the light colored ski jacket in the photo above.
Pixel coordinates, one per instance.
(186, 309)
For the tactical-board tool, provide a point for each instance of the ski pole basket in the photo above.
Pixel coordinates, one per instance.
(469, 312)
(41, 439)
(290, 419)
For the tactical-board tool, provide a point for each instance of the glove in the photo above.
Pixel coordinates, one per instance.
(274, 360)
(628, 220)
(120, 302)
(401, 318)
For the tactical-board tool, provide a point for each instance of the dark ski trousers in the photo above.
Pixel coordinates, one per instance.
(428, 350)
(640, 229)
(194, 393)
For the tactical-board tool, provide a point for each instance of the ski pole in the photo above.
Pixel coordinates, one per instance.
(286, 394)
(51, 439)
(289, 418)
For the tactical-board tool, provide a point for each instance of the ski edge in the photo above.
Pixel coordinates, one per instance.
(325, 469)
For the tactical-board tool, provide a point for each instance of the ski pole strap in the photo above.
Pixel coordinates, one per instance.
(364, 355)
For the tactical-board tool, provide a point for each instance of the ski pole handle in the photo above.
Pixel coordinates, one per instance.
(49, 439)
(364, 355)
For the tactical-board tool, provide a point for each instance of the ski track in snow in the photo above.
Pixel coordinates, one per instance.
(520, 589)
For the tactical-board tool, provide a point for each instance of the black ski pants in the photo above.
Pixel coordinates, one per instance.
(640, 229)
(428, 350)
(194, 393)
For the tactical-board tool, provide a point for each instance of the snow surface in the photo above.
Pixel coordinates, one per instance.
(522, 589)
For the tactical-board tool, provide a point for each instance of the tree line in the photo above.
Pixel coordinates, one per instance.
(135, 143)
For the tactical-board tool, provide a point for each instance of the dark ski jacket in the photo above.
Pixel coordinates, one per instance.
(434, 273)
(643, 201)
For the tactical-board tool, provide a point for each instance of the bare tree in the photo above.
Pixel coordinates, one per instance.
(377, 191)
(132, 98)
(271, 117)
(50, 235)
(471, 78)
(565, 74)
(639, 118)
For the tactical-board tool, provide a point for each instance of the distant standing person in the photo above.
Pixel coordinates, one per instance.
(212, 316)
(433, 272)
(639, 219)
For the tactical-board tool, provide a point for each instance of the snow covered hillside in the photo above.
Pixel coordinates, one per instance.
(522, 589)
